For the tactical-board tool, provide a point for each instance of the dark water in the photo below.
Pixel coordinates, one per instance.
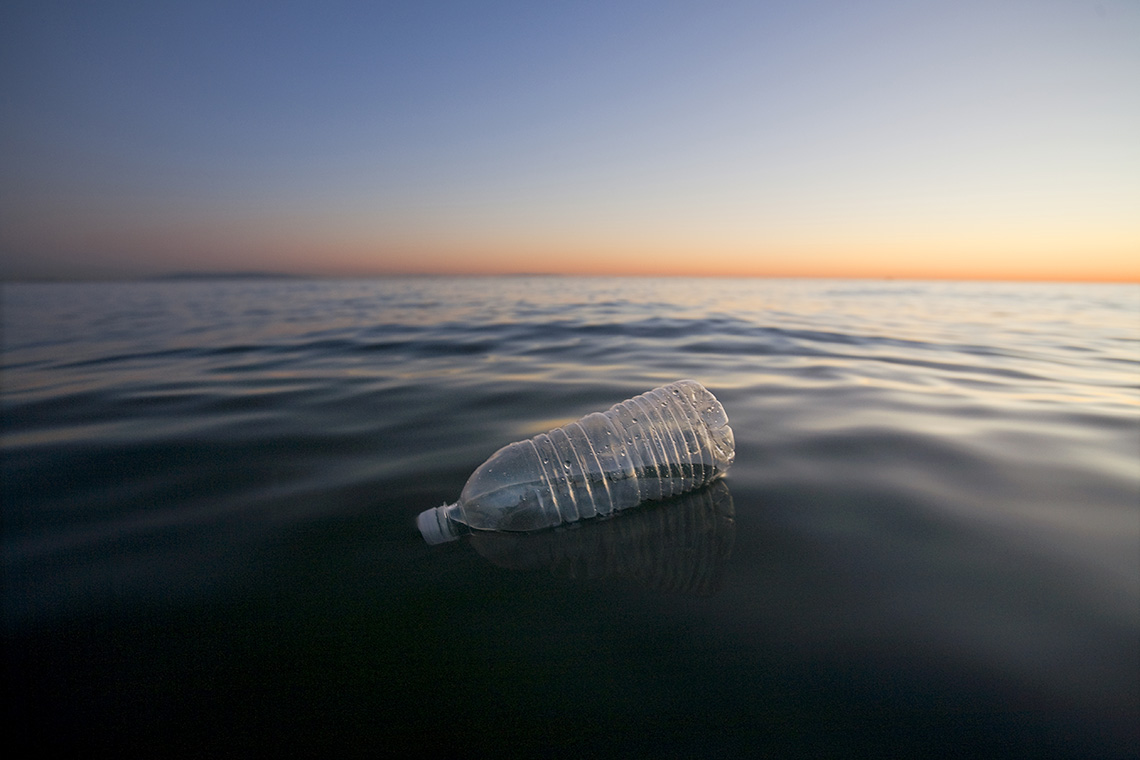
(929, 543)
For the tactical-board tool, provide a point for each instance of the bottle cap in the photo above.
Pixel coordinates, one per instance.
(435, 526)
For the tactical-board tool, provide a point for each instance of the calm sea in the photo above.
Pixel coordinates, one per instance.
(929, 542)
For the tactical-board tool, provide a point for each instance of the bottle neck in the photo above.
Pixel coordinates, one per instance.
(436, 527)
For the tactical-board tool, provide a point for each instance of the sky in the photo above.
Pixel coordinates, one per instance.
(994, 139)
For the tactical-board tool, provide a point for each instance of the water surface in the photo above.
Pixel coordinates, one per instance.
(929, 542)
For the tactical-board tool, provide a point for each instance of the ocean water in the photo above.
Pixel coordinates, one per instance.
(929, 542)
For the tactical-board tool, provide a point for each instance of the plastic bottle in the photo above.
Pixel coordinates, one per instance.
(665, 442)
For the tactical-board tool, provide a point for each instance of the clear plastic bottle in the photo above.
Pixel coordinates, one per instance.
(665, 442)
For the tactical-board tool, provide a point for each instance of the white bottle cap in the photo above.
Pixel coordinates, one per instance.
(435, 526)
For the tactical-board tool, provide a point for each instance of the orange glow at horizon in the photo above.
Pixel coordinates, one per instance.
(1076, 257)
(339, 247)
(932, 260)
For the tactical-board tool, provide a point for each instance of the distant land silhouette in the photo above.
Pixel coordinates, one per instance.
(248, 275)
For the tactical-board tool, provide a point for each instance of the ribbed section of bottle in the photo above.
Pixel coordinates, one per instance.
(676, 439)
(660, 444)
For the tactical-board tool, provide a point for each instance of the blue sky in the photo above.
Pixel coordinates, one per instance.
(845, 138)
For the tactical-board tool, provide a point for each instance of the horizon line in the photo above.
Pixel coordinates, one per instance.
(208, 275)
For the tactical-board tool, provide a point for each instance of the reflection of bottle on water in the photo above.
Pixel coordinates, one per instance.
(668, 441)
(678, 546)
